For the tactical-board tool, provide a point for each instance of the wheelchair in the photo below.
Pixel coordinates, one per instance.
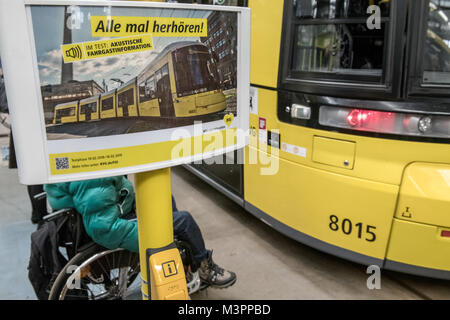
(93, 272)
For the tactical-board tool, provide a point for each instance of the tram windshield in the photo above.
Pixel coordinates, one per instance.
(334, 37)
(65, 112)
(195, 71)
(436, 59)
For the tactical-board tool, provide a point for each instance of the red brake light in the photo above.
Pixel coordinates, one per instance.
(445, 233)
(356, 117)
(385, 121)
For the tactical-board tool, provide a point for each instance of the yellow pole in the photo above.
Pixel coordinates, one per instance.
(153, 195)
(155, 228)
(161, 266)
(162, 269)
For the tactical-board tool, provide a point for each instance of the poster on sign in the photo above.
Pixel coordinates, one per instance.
(104, 88)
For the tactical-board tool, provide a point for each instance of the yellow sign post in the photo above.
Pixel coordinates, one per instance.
(162, 269)
(161, 266)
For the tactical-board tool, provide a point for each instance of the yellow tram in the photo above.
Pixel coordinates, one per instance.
(182, 81)
(88, 109)
(66, 112)
(358, 112)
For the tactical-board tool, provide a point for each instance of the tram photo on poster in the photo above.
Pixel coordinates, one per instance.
(118, 83)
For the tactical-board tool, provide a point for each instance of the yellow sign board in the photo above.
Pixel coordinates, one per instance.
(96, 111)
(105, 48)
(106, 26)
(107, 159)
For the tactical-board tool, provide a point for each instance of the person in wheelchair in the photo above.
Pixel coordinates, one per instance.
(103, 205)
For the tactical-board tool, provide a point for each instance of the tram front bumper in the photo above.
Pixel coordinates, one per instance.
(211, 108)
(420, 237)
(362, 217)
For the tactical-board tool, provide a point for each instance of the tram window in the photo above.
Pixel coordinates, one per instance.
(158, 75)
(339, 48)
(332, 37)
(93, 106)
(331, 9)
(193, 71)
(161, 73)
(126, 98)
(182, 74)
(196, 69)
(150, 88)
(68, 112)
(165, 70)
(89, 108)
(147, 89)
(436, 58)
(108, 104)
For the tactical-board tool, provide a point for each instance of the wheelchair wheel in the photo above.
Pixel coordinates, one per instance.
(96, 274)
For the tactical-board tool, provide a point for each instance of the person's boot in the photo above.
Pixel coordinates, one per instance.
(215, 276)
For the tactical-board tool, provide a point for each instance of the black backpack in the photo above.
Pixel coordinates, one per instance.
(46, 261)
(38, 204)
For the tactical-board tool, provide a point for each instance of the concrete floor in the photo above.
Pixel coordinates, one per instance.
(15, 230)
(268, 264)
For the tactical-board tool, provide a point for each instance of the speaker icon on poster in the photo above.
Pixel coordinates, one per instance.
(75, 52)
(72, 52)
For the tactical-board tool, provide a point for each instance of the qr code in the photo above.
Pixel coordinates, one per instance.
(62, 163)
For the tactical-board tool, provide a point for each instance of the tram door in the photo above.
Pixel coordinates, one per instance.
(86, 110)
(88, 113)
(126, 99)
(125, 110)
(164, 92)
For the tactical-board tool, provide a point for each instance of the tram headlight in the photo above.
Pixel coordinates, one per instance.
(424, 124)
(437, 126)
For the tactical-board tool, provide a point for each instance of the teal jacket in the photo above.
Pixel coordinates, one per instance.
(102, 203)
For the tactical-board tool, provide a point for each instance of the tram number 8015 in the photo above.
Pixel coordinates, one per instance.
(346, 226)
